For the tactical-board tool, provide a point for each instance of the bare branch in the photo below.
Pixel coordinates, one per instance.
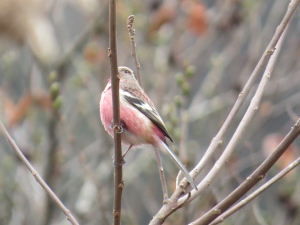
(178, 177)
(38, 178)
(161, 174)
(218, 139)
(115, 80)
(252, 109)
(245, 201)
(52, 167)
(253, 179)
(133, 49)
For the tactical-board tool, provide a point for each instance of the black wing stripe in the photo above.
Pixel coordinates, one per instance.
(138, 104)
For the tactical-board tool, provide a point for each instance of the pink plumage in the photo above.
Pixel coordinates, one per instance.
(138, 128)
(140, 121)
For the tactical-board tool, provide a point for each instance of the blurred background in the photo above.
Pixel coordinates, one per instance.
(195, 58)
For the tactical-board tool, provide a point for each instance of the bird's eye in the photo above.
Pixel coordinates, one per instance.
(127, 71)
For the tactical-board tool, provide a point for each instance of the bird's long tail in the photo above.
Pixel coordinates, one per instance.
(180, 165)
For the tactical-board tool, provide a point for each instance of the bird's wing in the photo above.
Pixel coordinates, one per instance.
(147, 110)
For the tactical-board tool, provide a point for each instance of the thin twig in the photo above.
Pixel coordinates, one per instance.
(130, 21)
(38, 178)
(178, 178)
(218, 139)
(52, 168)
(161, 174)
(245, 201)
(253, 179)
(257, 214)
(291, 112)
(52, 165)
(115, 80)
(252, 109)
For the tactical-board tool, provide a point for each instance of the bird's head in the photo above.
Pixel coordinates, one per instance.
(127, 78)
(125, 72)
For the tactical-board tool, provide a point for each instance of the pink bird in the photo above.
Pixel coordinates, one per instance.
(140, 122)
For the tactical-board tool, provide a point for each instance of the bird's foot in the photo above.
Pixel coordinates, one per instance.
(121, 129)
(122, 125)
(121, 163)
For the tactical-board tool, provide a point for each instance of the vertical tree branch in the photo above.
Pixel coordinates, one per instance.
(115, 80)
(52, 170)
(161, 174)
(133, 49)
(53, 165)
(37, 177)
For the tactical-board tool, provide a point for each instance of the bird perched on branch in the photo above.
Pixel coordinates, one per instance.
(140, 122)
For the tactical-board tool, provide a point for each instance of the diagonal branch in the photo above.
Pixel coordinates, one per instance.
(253, 179)
(251, 111)
(37, 177)
(218, 139)
(115, 80)
(246, 200)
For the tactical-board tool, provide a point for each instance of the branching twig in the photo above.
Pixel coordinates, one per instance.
(252, 109)
(38, 178)
(115, 80)
(133, 49)
(253, 179)
(178, 177)
(257, 214)
(218, 140)
(245, 201)
(161, 174)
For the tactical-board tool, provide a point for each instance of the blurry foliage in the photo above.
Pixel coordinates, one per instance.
(195, 57)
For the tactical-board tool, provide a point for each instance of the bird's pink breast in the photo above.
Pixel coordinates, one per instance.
(139, 129)
(106, 110)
